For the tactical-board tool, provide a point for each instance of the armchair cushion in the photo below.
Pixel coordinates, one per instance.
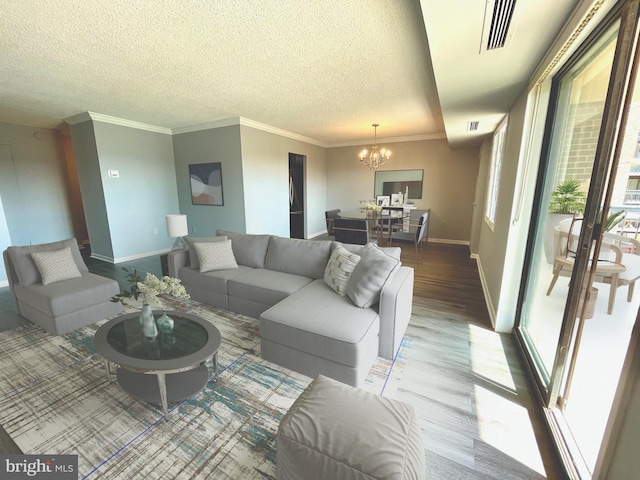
(25, 267)
(56, 265)
(371, 273)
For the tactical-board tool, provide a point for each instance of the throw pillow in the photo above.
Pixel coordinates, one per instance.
(339, 268)
(215, 256)
(193, 255)
(56, 265)
(369, 276)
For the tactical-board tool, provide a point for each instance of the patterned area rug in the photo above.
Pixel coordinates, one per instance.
(54, 399)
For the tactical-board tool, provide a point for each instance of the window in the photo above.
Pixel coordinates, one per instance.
(494, 173)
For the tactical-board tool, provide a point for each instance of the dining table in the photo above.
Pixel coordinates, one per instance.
(377, 219)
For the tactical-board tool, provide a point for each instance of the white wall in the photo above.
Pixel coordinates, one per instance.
(492, 242)
(265, 170)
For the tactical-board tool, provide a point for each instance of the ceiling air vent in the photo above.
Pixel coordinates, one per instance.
(497, 21)
(472, 126)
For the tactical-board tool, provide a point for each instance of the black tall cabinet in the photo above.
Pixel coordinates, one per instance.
(296, 195)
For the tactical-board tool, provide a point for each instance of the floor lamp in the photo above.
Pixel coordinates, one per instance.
(177, 227)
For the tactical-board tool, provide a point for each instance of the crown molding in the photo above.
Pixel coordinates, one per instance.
(100, 117)
(284, 133)
(79, 118)
(226, 122)
(411, 138)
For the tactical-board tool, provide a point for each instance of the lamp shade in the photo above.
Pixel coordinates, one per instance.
(177, 225)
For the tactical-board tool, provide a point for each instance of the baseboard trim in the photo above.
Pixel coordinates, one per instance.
(317, 234)
(104, 258)
(449, 241)
(129, 258)
(141, 255)
(485, 291)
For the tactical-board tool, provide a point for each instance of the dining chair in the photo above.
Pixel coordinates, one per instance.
(330, 216)
(353, 231)
(618, 263)
(414, 232)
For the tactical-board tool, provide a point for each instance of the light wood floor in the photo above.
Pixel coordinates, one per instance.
(477, 416)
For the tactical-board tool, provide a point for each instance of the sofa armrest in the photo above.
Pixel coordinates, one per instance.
(396, 299)
(11, 279)
(177, 259)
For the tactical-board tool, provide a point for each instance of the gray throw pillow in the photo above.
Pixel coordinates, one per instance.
(56, 265)
(215, 256)
(339, 269)
(194, 263)
(372, 272)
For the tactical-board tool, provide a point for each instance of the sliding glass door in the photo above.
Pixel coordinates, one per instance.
(580, 94)
(568, 292)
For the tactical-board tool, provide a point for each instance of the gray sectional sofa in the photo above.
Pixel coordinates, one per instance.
(305, 324)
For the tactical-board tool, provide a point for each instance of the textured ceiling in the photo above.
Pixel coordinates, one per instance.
(324, 69)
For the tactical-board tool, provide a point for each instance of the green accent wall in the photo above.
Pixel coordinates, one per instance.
(33, 188)
(209, 146)
(125, 214)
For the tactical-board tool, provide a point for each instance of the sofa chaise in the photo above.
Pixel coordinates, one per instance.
(324, 307)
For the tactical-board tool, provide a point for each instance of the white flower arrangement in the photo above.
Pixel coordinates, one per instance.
(153, 286)
(150, 288)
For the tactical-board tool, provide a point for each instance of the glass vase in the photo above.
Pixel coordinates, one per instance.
(165, 324)
(148, 323)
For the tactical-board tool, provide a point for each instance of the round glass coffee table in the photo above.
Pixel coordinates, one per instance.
(170, 367)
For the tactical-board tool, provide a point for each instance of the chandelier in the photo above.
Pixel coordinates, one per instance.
(376, 158)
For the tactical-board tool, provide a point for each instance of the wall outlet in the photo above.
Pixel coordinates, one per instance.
(155, 231)
(114, 174)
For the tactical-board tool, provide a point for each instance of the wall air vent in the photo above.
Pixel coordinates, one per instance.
(498, 19)
(472, 126)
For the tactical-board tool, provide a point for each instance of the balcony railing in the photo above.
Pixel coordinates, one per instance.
(632, 197)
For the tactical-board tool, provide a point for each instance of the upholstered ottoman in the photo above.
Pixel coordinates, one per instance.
(334, 431)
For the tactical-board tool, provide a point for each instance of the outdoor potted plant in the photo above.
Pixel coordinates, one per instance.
(567, 200)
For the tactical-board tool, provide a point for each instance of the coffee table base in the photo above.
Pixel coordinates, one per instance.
(179, 386)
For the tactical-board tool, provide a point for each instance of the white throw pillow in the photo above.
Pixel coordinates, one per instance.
(56, 265)
(339, 268)
(370, 275)
(194, 263)
(215, 256)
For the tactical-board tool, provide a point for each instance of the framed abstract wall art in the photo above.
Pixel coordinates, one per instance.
(206, 184)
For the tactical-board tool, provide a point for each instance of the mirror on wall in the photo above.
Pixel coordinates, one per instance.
(395, 181)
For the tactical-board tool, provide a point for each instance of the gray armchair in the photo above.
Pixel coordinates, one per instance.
(55, 290)
(417, 230)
